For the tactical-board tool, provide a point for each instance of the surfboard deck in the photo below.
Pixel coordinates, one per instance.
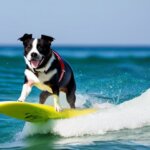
(33, 112)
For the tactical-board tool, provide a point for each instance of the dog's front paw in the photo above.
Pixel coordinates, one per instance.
(19, 100)
(58, 108)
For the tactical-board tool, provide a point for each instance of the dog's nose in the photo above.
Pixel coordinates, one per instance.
(34, 55)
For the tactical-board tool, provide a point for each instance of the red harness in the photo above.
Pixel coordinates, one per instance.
(61, 65)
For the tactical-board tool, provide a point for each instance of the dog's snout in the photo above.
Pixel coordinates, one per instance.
(34, 55)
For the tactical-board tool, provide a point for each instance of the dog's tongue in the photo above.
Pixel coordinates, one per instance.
(35, 63)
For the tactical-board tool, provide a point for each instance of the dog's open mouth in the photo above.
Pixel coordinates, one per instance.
(36, 63)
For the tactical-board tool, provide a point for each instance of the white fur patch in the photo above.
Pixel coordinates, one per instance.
(46, 76)
(34, 50)
(42, 77)
(26, 89)
(31, 76)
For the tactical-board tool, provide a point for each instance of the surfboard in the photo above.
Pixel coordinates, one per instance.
(33, 112)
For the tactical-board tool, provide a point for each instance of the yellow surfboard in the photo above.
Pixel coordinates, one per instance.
(34, 112)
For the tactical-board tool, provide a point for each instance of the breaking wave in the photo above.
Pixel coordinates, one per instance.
(128, 115)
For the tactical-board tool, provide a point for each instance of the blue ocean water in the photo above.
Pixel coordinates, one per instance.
(113, 79)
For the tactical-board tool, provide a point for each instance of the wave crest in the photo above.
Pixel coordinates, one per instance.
(128, 115)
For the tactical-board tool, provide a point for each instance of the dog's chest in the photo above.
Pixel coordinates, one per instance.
(39, 80)
(43, 77)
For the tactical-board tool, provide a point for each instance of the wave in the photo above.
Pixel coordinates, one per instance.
(105, 54)
(85, 52)
(128, 115)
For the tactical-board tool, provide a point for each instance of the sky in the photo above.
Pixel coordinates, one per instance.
(77, 22)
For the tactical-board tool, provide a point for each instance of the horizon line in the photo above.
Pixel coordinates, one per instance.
(81, 45)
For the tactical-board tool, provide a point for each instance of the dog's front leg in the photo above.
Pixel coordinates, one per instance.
(56, 103)
(26, 89)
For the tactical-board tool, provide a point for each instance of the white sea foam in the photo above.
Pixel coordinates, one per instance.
(130, 115)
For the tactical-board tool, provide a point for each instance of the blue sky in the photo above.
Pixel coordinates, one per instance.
(77, 22)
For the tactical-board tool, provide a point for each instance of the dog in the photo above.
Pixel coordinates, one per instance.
(46, 70)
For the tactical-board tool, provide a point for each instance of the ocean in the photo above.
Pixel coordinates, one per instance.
(116, 80)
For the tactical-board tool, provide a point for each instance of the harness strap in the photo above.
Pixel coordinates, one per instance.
(61, 65)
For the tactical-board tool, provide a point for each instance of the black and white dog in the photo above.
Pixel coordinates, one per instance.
(46, 70)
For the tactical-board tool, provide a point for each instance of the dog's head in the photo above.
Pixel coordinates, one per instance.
(36, 51)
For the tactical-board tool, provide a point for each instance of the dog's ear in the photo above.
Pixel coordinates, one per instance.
(47, 38)
(25, 37)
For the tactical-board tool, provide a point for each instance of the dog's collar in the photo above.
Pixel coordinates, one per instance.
(61, 65)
